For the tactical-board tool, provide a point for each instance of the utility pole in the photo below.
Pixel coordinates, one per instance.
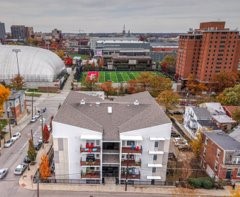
(32, 105)
(32, 134)
(42, 130)
(8, 115)
(38, 186)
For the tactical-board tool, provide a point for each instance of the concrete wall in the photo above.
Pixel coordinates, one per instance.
(72, 135)
(161, 131)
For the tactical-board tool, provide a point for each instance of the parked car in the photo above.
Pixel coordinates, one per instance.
(34, 119)
(8, 143)
(16, 136)
(38, 145)
(26, 160)
(3, 172)
(20, 169)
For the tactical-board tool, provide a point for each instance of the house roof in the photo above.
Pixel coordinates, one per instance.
(214, 108)
(202, 113)
(236, 133)
(223, 119)
(208, 123)
(231, 109)
(125, 116)
(223, 140)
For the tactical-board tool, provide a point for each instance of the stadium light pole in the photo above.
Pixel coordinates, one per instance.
(17, 51)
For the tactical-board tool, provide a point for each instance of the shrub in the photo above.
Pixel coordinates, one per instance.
(201, 182)
(207, 184)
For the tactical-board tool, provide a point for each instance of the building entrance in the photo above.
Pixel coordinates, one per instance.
(110, 171)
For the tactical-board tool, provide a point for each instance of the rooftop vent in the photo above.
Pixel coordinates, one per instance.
(82, 102)
(97, 103)
(109, 110)
(136, 102)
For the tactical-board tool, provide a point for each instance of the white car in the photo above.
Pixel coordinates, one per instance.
(20, 169)
(8, 143)
(3, 172)
(34, 119)
(16, 136)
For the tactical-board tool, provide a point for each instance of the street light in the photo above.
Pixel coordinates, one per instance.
(8, 115)
(17, 51)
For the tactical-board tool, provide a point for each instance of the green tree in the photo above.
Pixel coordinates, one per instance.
(230, 96)
(168, 98)
(31, 150)
(159, 84)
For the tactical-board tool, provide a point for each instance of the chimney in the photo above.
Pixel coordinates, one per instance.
(82, 102)
(136, 102)
(109, 110)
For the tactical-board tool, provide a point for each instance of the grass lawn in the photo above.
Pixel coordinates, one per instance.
(117, 76)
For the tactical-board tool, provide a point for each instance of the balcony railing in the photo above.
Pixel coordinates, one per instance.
(130, 176)
(91, 163)
(90, 175)
(136, 149)
(90, 150)
(130, 163)
(230, 162)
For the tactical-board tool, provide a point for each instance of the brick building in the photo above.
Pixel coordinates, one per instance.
(206, 51)
(220, 155)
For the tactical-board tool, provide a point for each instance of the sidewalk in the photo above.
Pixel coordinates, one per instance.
(26, 182)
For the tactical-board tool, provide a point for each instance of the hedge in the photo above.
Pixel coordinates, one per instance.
(201, 182)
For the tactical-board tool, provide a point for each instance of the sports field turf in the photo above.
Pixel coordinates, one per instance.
(116, 76)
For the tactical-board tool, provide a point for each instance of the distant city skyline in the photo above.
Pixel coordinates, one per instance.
(94, 16)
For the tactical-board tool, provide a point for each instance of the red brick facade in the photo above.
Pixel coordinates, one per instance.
(208, 51)
(214, 158)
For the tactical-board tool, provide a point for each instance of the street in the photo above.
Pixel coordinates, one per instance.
(12, 156)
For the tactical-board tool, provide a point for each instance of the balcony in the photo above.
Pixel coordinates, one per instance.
(136, 149)
(90, 163)
(90, 150)
(131, 163)
(90, 175)
(130, 176)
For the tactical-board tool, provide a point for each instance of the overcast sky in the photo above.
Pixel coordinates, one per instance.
(111, 15)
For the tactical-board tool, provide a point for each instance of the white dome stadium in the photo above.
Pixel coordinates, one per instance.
(35, 64)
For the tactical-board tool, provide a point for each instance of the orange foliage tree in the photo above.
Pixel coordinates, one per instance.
(44, 168)
(17, 82)
(107, 88)
(194, 87)
(225, 80)
(4, 94)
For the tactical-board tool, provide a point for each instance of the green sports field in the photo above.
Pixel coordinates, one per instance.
(116, 76)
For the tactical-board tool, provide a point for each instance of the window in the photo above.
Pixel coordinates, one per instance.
(156, 144)
(154, 157)
(97, 142)
(123, 143)
(153, 170)
(238, 173)
(130, 143)
(218, 153)
(206, 140)
(216, 166)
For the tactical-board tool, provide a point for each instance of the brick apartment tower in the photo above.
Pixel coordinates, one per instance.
(206, 51)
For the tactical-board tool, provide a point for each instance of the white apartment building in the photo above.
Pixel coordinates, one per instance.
(126, 138)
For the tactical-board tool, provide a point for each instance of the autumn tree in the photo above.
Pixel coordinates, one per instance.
(132, 86)
(107, 88)
(168, 98)
(60, 53)
(4, 94)
(144, 79)
(90, 83)
(100, 62)
(194, 87)
(236, 115)
(230, 96)
(17, 82)
(224, 80)
(46, 134)
(31, 150)
(196, 145)
(159, 84)
(44, 168)
(168, 64)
